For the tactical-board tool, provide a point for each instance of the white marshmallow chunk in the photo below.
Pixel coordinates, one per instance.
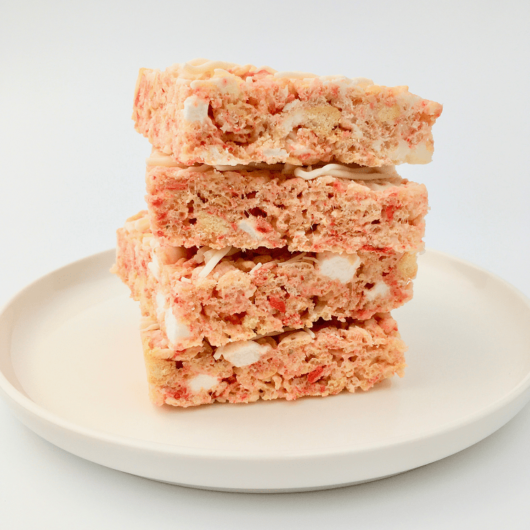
(242, 352)
(249, 228)
(160, 301)
(175, 330)
(340, 267)
(202, 382)
(154, 267)
(379, 290)
(195, 109)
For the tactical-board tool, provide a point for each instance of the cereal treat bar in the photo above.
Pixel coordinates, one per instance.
(335, 356)
(211, 112)
(337, 208)
(231, 295)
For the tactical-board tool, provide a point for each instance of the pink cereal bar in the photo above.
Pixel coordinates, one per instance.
(212, 112)
(265, 208)
(337, 356)
(220, 296)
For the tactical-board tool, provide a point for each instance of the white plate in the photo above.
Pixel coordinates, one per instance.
(71, 368)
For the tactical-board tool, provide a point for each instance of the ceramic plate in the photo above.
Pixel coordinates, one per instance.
(71, 368)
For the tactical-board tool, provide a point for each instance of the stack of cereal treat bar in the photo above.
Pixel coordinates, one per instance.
(278, 235)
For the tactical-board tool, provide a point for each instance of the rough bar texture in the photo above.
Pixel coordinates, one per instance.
(249, 209)
(221, 113)
(346, 356)
(255, 292)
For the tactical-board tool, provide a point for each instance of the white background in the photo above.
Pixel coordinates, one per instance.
(71, 169)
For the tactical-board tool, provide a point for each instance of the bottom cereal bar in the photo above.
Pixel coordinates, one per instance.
(329, 358)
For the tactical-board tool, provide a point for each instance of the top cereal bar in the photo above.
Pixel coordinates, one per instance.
(218, 113)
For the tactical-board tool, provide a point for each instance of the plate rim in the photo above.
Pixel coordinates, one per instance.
(36, 410)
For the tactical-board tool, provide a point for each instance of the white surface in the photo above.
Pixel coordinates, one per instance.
(338, 267)
(241, 352)
(72, 163)
(72, 370)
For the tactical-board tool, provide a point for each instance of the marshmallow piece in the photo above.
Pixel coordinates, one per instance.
(242, 352)
(195, 109)
(340, 267)
(160, 301)
(175, 330)
(250, 229)
(202, 382)
(154, 267)
(142, 225)
(139, 225)
(153, 243)
(379, 290)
